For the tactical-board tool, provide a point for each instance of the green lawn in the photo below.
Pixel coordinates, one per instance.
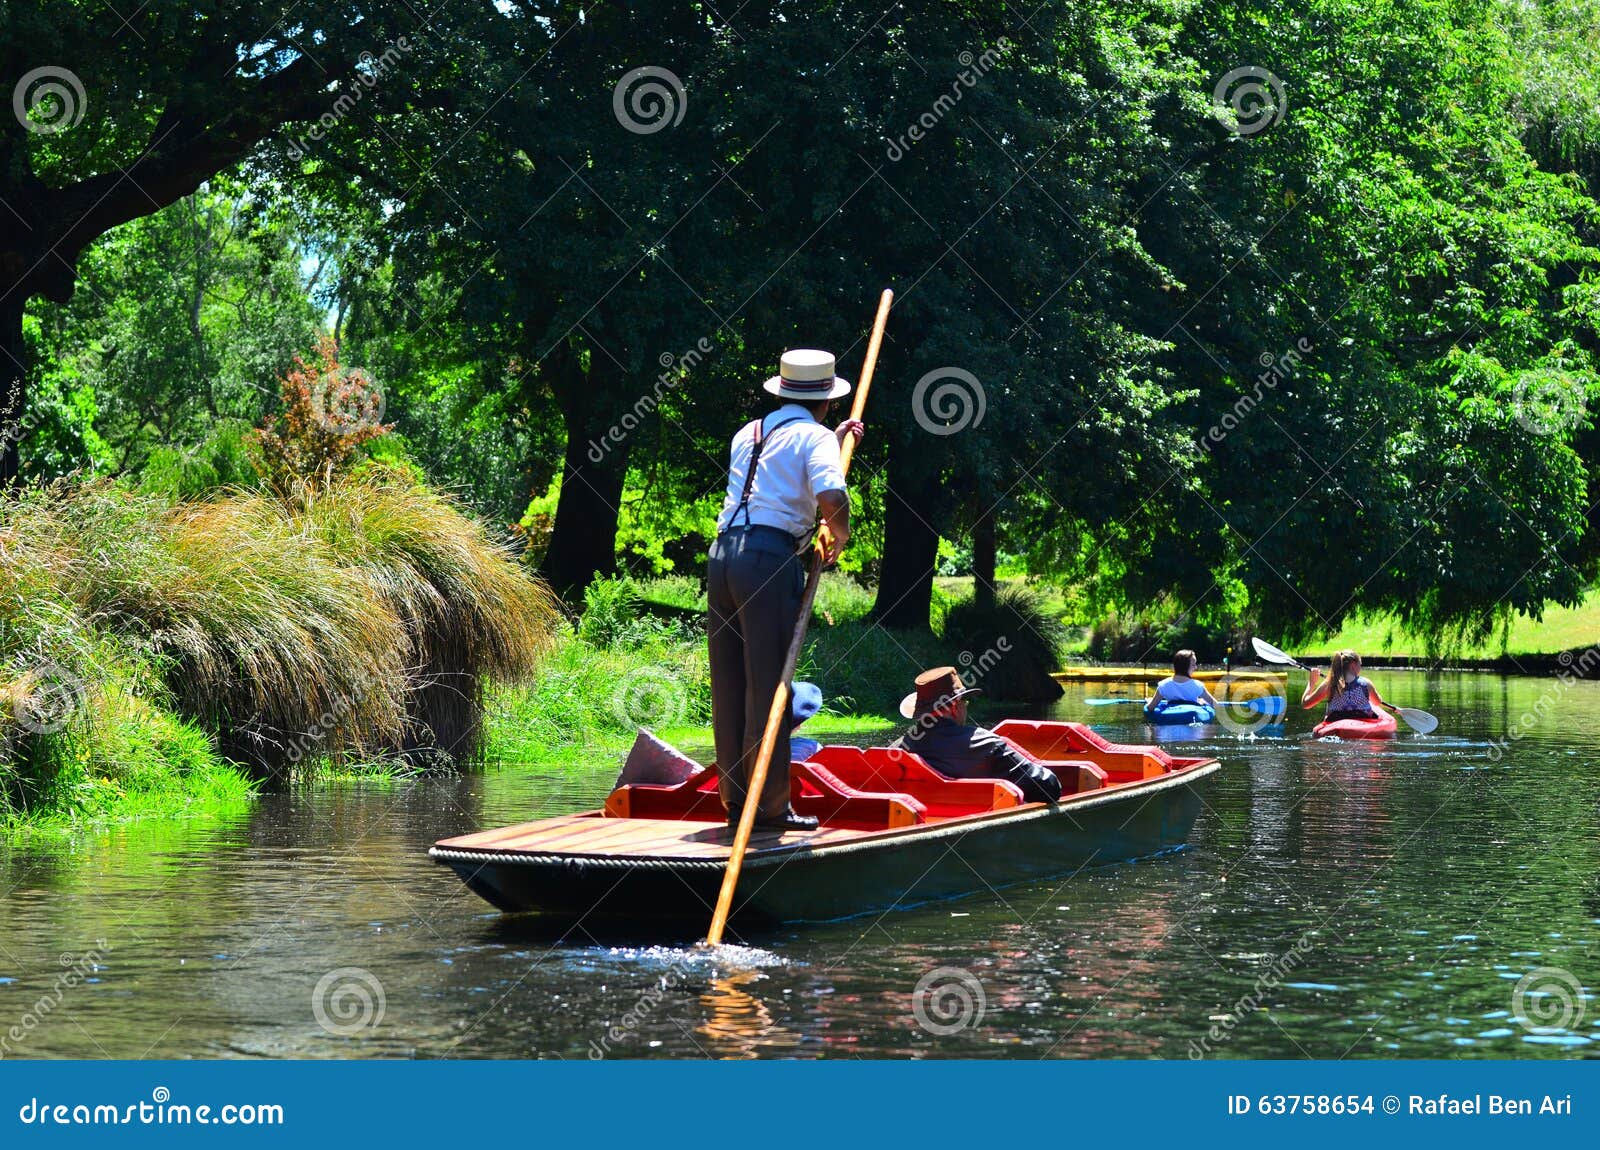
(1561, 629)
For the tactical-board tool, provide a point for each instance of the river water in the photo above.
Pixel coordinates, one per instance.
(1430, 897)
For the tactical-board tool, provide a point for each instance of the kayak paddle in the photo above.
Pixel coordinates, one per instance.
(1419, 721)
(1108, 702)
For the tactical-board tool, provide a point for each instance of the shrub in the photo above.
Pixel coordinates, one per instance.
(328, 412)
(1011, 646)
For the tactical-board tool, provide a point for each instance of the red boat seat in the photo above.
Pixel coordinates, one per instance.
(813, 791)
(1058, 745)
(891, 769)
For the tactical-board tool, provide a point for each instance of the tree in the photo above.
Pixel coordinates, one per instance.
(156, 104)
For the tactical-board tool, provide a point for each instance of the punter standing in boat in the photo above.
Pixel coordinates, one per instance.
(784, 478)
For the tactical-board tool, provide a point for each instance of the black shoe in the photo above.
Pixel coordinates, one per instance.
(733, 816)
(788, 821)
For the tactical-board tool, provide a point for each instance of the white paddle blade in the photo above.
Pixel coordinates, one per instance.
(1419, 721)
(1270, 653)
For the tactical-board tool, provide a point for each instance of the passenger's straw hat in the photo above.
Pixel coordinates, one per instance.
(807, 375)
(936, 688)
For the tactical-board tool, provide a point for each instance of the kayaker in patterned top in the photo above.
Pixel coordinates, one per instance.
(1349, 695)
(784, 476)
(941, 736)
(1180, 686)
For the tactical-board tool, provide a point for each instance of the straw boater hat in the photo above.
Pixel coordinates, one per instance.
(807, 375)
(936, 688)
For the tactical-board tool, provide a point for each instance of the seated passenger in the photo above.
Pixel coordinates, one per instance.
(1180, 687)
(942, 737)
(805, 700)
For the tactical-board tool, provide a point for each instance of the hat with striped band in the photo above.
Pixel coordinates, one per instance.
(806, 374)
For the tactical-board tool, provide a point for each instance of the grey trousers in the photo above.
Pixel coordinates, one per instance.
(754, 583)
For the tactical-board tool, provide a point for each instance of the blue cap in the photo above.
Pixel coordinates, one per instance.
(805, 700)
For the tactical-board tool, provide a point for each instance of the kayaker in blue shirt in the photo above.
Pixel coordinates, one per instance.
(1180, 686)
(941, 736)
(1349, 695)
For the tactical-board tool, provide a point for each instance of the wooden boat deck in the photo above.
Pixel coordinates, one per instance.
(590, 834)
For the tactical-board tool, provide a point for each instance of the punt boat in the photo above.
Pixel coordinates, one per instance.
(894, 833)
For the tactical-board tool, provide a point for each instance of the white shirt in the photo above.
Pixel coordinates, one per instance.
(797, 461)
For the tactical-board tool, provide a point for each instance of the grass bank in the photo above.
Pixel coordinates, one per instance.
(157, 653)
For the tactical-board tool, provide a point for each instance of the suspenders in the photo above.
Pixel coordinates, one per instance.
(755, 460)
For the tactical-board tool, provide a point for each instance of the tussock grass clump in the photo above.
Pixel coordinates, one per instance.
(1011, 647)
(344, 626)
(467, 610)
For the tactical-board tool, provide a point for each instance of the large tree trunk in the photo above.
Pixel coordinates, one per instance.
(983, 559)
(583, 541)
(910, 553)
(13, 386)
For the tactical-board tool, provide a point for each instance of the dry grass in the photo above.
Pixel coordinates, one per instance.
(353, 624)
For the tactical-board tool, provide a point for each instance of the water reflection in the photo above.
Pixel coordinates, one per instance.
(1425, 877)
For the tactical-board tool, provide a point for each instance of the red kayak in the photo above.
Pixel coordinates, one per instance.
(1383, 727)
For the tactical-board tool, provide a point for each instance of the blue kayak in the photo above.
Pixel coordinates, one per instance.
(1180, 714)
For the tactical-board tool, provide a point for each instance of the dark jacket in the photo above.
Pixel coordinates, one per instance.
(963, 752)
